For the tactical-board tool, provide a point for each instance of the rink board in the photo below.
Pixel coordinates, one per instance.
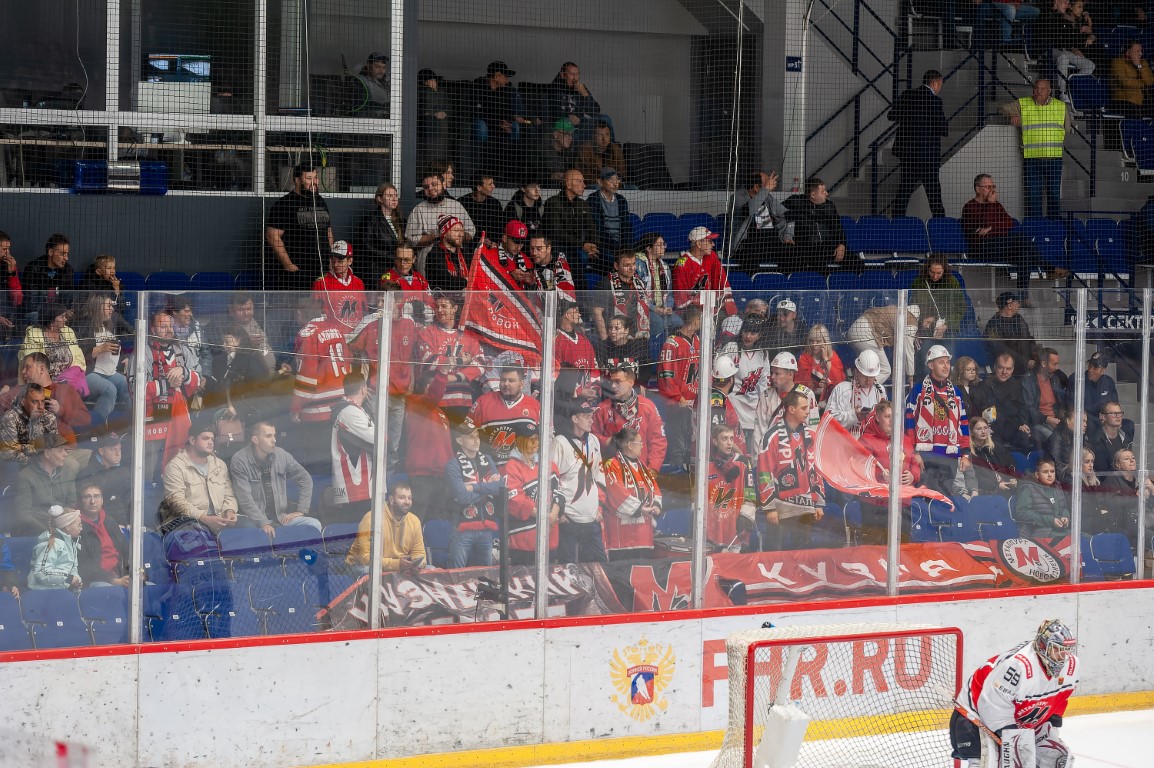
(544, 687)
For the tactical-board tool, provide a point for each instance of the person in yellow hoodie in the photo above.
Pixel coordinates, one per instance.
(402, 544)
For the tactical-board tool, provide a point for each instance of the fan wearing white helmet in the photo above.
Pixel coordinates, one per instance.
(852, 400)
(721, 409)
(782, 371)
(1012, 706)
(937, 423)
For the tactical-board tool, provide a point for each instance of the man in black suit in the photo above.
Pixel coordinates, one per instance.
(921, 124)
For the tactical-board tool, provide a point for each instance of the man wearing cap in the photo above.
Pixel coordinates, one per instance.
(999, 399)
(877, 328)
(1100, 386)
(298, 233)
(197, 484)
(937, 423)
(341, 293)
(447, 266)
(576, 452)
(261, 473)
(423, 228)
(497, 124)
(721, 410)
(1008, 332)
(374, 77)
(496, 414)
(483, 208)
(48, 478)
(699, 270)
(621, 294)
(600, 153)
(789, 490)
(555, 154)
(610, 217)
(105, 466)
(770, 406)
(784, 331)
(569, 224)
(24, 423)
(677, 383)
(476, 488)
(818, 231)
(852, 400)
(623, 407)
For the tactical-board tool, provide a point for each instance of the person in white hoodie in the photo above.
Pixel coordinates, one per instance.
(54, 560)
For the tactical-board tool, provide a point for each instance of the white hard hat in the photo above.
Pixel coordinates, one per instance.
(868, 363)
(784, 360)
(937, 351)
(724, 367)
(914, 310)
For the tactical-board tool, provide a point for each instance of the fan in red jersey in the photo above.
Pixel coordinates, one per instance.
(417, 299)
(624, 407)
(1012, 706)
(445, 348)
(342, 294)
(497, 414)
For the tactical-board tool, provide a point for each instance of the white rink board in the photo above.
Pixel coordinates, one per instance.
(278, 705)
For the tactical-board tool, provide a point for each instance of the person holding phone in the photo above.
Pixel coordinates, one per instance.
(402, 544)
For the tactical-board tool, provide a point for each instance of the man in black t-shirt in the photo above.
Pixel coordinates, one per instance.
(298, 232)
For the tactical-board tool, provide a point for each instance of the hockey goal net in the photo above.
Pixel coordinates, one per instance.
(862, 695)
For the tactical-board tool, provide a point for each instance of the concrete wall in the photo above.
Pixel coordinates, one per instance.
(360, 697)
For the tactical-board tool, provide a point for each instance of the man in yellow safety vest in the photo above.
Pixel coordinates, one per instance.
(1044, 122)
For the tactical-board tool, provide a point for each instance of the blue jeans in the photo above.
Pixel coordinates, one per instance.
(108, 391)
(1005, 14)
(481, 131)
(471, 548)
(1043, 175)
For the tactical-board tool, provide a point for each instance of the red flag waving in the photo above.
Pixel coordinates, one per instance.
(848, 466)
(498, 309)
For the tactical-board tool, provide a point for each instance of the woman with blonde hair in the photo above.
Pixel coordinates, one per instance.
(380, 231)
(965, 378)
(819, 367)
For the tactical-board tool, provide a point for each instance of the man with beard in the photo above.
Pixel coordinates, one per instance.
(623, 407)
(447, 265)
(548, 272)
(299, 232)
(423, 227)
(197, 484)
(937, 421)
(790, 491)
(622, 294)
(497, 414)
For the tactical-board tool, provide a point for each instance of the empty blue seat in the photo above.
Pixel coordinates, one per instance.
(961, 530)
(1088, 94)
(1113, 554)
(245, 545)
(131, 284)
(908, 235)
(54, 617)
(156, 568)
(990, 509)
(1106, 236)
(247, 281)
(172, 282)
(339, 537)
(830, 532)
(873, 237)
(178, 618)
(282, 603)
(946, 236)
(1049, 235)
(767, 285)
(437, 534)
(664, 224)
(14, 635)
(211, 281)
(290, 540)
(105, 609)
(20, 549)
(805, 281)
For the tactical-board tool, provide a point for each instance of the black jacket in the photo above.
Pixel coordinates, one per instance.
(88, 556)
(376, 244)
(921, 124)
(41, 284)
(816, 224)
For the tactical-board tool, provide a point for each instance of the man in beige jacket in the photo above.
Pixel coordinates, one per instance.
(197, 485)
(876, 329)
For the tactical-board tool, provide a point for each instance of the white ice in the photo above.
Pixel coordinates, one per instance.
(1116, 740)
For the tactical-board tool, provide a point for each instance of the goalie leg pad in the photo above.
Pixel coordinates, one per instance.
(1051, 751)
(1018, 749)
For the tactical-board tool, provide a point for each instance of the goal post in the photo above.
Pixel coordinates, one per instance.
(860, 694)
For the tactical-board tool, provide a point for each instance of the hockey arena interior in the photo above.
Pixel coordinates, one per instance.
(744, 382)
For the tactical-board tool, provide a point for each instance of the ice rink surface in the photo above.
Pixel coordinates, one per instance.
(1116, 740)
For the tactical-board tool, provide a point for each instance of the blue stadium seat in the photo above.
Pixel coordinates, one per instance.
(20, 549)
(54, 617)
(769, 286)
(170, 614)
(908, 236)
(282, 603)
(634, 222)
(830, 531)
(247, 281)
(805, 281)
(437, 534)
(14, 635)
(1091, 570)
(291, 540)
(677, 521)
(874, 238)
(1088, 94)
(852, 240)
(992, 516)
(962, 529)
(664, 224)
(1049, 235)
(172, 282)
(131, 283)
(742, 285)
(212, 281)
(853, 520)
(156, 568)
(1132, 132)
(946, 236)
(1112, 553)
(105, 609)
(1083, 257)
(687, 221)
(1106, 236)
(245, 548)
(214, 604)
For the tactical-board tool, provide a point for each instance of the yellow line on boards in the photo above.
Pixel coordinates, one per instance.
(642, 746)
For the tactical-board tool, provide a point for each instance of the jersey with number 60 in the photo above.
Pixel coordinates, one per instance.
(1013, 690)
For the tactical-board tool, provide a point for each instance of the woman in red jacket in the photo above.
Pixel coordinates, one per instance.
(633, 499)
(521, 491)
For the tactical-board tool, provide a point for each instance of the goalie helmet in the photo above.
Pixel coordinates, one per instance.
(1053, 643)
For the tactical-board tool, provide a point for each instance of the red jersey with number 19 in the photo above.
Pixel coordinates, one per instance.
(1014, 690)
(322, 364)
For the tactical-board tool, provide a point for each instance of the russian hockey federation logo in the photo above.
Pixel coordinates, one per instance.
(641, 673)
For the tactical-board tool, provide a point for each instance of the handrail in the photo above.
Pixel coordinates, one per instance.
(852, 31)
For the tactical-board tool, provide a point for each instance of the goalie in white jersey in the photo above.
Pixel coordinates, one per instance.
(1012, 706)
